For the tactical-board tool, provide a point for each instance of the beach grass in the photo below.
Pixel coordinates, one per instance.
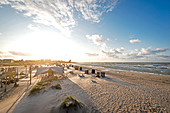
(39, 86)
(42, 84)
(56, 86)
(70, 102)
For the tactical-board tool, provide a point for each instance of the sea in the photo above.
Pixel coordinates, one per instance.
(158, 68)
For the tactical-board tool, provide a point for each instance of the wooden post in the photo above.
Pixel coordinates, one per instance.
(1, 82)
(26, 70)
(17, 73)
(5, 79)
(5, 83)
(15, 81)
(30, 75)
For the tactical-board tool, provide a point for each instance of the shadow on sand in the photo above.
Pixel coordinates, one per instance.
(118, 81)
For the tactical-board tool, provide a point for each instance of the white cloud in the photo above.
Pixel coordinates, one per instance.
(134, 41)
(164, 56)
(161, 49)
(110, 54)
(1, 52)
(144, 52)
(92, 54)
(61, 13)
(114, 53)
(15, 53)
(149, 51)
(118, 50)
(32, 27)
(93, 9)
(0, 34)
(4, 2)
(5, 55)
(98, 40)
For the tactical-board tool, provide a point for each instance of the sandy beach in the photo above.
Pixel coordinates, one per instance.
(117, 92)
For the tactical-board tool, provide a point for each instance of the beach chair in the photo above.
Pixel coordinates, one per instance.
(102, 74)
(98, 74)
(86, 71)
(93, 71)
(80, 68)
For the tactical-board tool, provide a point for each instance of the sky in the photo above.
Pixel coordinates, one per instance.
(86, 30)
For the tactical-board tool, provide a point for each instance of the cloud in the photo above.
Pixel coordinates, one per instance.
(109, 54)
(1, 52)
(4, 2)
(61, 13)
(93, 9)
(0, 33)
(32, 27)
(161, 49)
(118, 50)
(164, 56)
(144, 52)
(114, 53)
(5, 55)
(19, 53)
(148, 51)
(134, 41)
(98, 40)
(92, 54)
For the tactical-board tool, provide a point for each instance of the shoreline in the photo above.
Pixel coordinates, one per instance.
(110, 69)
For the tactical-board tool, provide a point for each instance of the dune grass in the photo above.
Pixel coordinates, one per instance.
(70, 102)
(38, 87)
(41, 85)
(56, 86)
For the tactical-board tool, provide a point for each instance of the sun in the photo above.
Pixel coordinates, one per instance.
(47, 45)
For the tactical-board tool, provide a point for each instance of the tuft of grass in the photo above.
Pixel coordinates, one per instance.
(70, 102)
(43, 83)
(35, 89)
(39, 86)
(56, 86)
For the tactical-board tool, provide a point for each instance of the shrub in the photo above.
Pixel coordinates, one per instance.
(70, 102)
(56, 86)
(35, 89)
(38, 87)
(21, 73)
(43, 83)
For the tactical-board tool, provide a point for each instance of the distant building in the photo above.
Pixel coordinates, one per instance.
(6, 60)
